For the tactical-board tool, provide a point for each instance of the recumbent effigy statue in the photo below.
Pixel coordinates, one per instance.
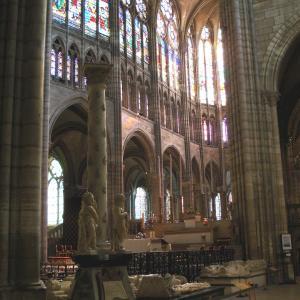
(88, 221)
(119, 231)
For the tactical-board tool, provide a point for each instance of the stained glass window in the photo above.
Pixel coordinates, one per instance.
(190, 67)
(59, 10)
(90, 15)
(129, 44)
(104, 17)
(55, 192)
(75, 13)
(60, 64)
(206, 74)
(122, 28)
(69, 68)
(73, 66)
(53, 62)
(126, 2)
(218, 207)
(167, 49)
(205, 128)
(220, 63)
(166, 9)
(138, 40)
(146, 44)
(141, 8)
(140, 203)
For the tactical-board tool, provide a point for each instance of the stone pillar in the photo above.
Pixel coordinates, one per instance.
(257, 189)
(158, 203)
(187, 176)
(45, 151)
(115, 88)
(22, 54)
(97, 76)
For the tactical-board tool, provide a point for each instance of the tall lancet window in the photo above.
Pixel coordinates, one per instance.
(167, 44)
(73, 66)
(190, 67)
(57, 63)
(55, 192)
(90, 17)
(59, 10)
(74, 14)
(205, 70)
(141, 33)
(220, 63)
(103, 20)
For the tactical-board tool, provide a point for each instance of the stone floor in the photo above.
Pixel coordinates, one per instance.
(276, 292)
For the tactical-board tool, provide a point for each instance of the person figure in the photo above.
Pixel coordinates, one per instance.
(119, 231)
(88, 220)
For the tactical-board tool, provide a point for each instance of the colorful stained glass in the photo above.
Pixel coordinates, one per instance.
(104, 17)
(141, 8)
(166, 9)
(138, 40)
(59, 10)
(122, 28)
(220, 63)
(206, 74)
(161, 28)
(69, 68)
(171, 68)
(129, 43)
(164, 55)
(60, 64)
(75, 13)
(53, 62)
(90, 15)
(146, 44)
(76, 73)
(126, 2)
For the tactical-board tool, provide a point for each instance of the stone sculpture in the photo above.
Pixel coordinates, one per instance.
(88, 220)
(119, 232)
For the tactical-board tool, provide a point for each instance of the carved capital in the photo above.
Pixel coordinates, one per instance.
(97, 73)
(270, 97)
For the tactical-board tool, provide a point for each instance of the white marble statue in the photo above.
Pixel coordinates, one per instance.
(88, 220)
(119, 231)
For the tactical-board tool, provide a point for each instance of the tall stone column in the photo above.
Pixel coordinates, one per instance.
(257, 189)
(158, 203)
(97, 76)
(189, 202)
(45, 150)
(22, 55)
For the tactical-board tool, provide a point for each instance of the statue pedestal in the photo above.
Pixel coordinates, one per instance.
(102, 276)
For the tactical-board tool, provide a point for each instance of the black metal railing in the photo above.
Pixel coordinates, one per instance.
(186, 263)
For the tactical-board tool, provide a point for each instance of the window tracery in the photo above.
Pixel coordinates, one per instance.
(55, 192)
(57, 57)
(206, 74)
(94, 12)
(167, 44)
(73, 66)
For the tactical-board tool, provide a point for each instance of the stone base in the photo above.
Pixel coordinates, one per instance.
(102, 277)
(31, 292)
